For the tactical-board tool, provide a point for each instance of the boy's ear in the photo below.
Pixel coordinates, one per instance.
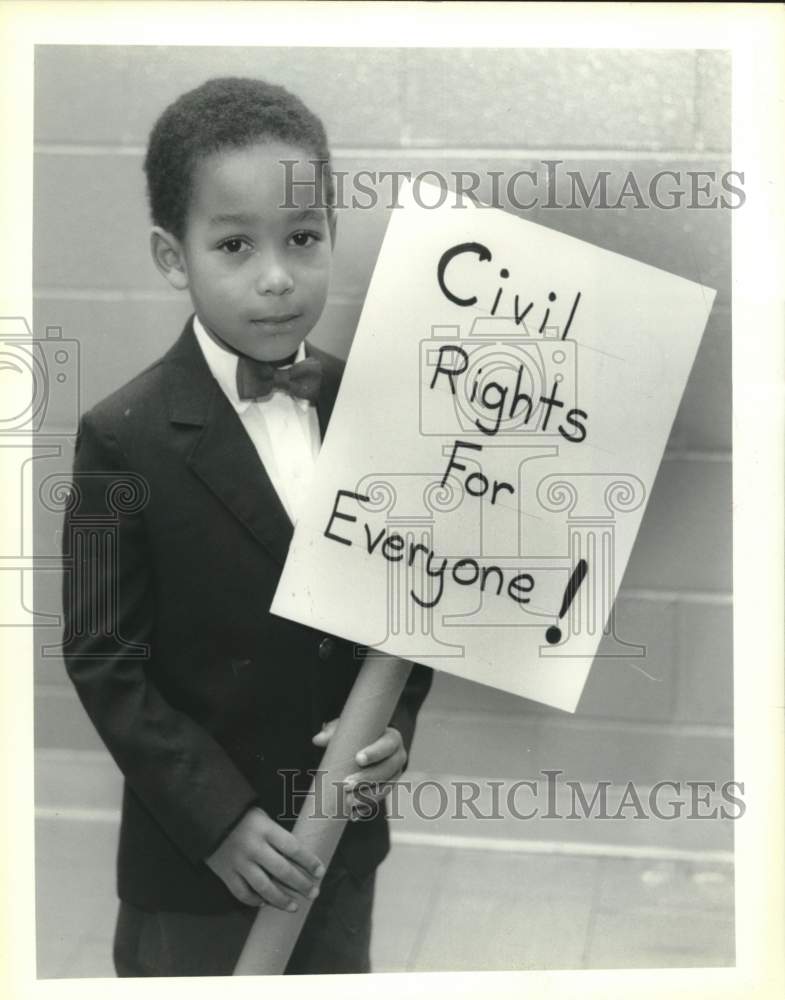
(168, 257)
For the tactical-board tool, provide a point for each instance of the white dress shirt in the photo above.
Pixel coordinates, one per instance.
(284, 430)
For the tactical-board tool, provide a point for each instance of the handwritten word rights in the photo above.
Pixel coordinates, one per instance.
(499, 401)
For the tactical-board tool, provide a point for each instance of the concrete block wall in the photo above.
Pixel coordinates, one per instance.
(669, 715)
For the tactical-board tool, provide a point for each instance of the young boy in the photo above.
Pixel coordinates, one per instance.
(215, 710)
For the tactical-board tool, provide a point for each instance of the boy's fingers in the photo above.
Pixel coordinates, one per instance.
(289, 876)
(325, 733)
(242, 891)
(287, 844)
(261, 883)
(380, 749)
(371, 778)
(387, 769)
(368, 790)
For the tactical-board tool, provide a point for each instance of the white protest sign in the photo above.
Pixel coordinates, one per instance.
(504, 410)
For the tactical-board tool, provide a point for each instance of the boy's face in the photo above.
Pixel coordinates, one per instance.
(257, 273)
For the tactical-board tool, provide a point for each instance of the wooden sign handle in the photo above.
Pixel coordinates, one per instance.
(368, 709)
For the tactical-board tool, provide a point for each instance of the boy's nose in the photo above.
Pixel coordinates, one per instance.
(274, 277)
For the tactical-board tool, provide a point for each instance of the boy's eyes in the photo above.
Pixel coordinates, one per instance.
(239, 244)
(306, 238)
(235, 244)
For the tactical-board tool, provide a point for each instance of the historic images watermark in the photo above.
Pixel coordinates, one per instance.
(550, 185)
(550, 797)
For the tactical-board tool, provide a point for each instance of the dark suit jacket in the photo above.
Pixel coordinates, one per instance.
(206, 701)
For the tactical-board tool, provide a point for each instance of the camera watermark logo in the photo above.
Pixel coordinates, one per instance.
(51, 364)
(500, 379)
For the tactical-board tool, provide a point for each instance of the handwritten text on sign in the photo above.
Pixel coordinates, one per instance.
(504, 410)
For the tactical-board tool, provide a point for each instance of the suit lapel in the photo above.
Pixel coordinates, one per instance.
(225, 459)
(224, 456)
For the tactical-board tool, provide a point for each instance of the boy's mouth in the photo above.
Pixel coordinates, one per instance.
(281, 320)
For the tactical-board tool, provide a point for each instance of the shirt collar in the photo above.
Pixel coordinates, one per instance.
(223, 364)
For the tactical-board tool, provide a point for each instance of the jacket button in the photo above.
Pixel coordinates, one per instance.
(239, 665)
(326, 647)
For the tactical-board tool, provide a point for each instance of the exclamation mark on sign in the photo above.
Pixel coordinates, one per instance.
(553, 635)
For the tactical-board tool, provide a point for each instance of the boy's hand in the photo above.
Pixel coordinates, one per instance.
(261, 862)
(380, 763)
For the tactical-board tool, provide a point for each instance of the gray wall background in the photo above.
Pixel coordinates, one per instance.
(420, 109)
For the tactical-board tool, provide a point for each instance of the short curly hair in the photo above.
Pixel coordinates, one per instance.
(225, 113)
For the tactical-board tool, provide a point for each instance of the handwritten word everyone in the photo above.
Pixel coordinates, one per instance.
(393, 547)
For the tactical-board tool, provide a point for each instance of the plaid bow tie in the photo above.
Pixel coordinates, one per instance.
(257, 379)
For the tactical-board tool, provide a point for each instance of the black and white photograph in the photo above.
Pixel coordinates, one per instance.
(381, 514)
